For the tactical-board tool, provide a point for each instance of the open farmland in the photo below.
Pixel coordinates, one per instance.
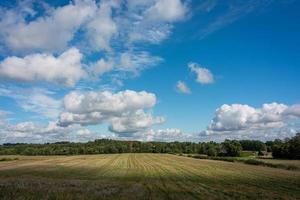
(142, 176)
(295, 163)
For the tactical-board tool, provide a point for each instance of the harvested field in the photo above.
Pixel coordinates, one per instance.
(142, 176)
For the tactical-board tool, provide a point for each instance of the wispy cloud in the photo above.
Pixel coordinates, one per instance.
(234, 10)
(34, 100)
(182, 87)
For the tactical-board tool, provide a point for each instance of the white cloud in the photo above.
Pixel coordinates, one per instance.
(83, 132)
(65, 69)
(35, 100)
(126, 63)
(91, 24)
(3, 115)
(269, 134)
(31, 132)
(107, 102)
(91, 118)
(166, 10)
(51, 32)
(123, 110)
(237, 117)
(42, 104)
(133, 122)
(149, 33)
(151, 21)
(169, 134)
(204, 76)
(182, 87)
(232, 12)
(102, 27)
(293, 111)
(102, 66)
(133, 4)
(137, 61)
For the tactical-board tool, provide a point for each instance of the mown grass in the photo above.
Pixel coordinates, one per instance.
(142, 176)
(282, 164)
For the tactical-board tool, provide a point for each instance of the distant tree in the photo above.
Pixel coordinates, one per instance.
(289, 149)
(294, 147)
(281, 149)
(253, 145)
(231, 148)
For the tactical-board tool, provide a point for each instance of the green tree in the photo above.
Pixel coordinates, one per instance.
(231, 148)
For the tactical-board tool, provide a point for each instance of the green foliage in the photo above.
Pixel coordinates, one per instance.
(253, 145)
(254, 162)
(106, 146)
(260, 153)
(288, 149)
(231, 148)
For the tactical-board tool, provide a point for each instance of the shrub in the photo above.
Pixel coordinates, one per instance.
(8, 159)
(254, 162)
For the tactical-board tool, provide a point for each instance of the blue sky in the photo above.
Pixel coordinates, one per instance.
(152, 70)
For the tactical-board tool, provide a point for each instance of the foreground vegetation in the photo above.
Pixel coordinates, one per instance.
(289, 148)
(142, 176)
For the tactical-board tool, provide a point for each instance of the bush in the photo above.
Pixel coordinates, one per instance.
(200, 156)
(227, 159)
(260, 153)
(8, 159)
(254, 162)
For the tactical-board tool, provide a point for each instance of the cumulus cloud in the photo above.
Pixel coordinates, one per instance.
(112, 27)
(65, 69)
(204, 76)
(133, 122)
(107, 102)
(169, 134)
(102, 66)
(101, 28)
(23, 29)
(182, 87)
(243, 121)
(51, 32)
(32, 132)
(293, 111)
(167, 10)
(123, 110)
(287, 131)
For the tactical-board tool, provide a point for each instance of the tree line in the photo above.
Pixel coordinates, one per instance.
(288, 148)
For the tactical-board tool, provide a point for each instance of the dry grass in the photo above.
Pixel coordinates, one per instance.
(142, 176)
(285, 162)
